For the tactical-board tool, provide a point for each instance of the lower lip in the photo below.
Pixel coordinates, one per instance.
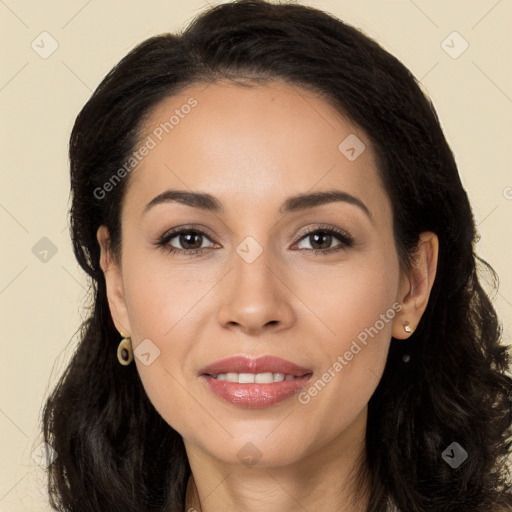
(255, 395)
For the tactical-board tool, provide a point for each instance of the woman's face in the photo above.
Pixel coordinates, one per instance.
(258, 271)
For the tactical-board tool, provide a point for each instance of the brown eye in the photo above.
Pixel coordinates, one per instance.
(190, 239)
(185, 241)
(321, 240)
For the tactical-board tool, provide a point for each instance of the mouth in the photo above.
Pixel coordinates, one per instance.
(254, 383)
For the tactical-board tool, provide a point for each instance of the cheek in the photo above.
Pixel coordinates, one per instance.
(161, 309)
(167, 304)
(359, 316)
(351, 297)
(160, 295)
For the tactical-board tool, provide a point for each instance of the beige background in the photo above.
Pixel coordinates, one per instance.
(41, 301)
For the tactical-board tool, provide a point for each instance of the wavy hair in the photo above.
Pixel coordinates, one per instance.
(115, 452)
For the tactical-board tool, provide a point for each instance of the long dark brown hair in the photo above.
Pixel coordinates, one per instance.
(115, 452)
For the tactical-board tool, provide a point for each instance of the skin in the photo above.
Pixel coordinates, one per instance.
(252, 148)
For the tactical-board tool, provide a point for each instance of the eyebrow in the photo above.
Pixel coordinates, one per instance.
(296, 203)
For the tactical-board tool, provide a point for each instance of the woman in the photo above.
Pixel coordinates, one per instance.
(287, 313)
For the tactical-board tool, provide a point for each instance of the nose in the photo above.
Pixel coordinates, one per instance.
(255, 297)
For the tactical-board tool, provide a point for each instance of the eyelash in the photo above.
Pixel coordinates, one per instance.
(345, 239)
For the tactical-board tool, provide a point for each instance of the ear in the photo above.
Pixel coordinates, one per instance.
(114, 282)
(415, 287)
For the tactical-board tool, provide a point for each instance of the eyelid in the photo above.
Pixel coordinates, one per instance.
(321, 227)
(187, 227)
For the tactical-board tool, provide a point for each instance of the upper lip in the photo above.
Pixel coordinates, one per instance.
(248, 364)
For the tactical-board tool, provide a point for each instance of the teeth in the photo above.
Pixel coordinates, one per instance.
(246, 378)
(258, 378)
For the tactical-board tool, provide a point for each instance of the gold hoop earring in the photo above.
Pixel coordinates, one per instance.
(125, 351)
(406, 326)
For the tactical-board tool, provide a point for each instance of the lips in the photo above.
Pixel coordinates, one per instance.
(246, 364)
(254, 383)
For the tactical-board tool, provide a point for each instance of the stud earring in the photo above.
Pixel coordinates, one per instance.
(125, 351)
(407, 327)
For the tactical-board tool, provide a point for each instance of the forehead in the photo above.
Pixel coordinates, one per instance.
(251, 145)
